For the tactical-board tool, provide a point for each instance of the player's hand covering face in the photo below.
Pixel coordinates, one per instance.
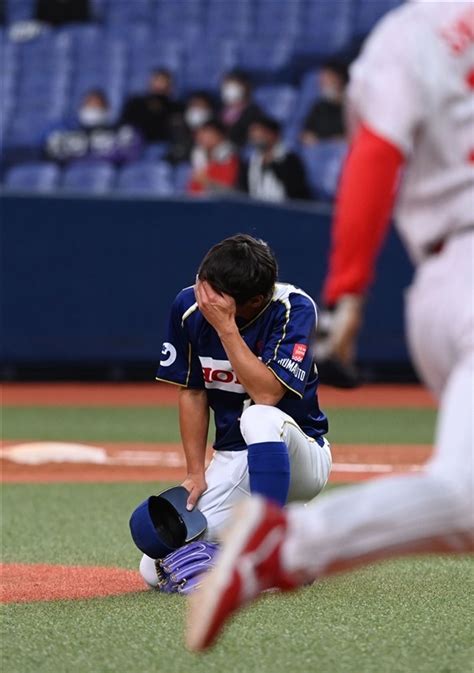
(218, 309)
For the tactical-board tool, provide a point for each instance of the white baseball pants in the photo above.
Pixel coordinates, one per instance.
(427, 512)
(228, 477)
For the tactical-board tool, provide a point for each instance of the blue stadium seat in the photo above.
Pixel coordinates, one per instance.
(49, 47)
(278, 18)
(204, 69)
(323, 164)
(308, 93)
(269, 57)
(229, 19)
(20, 10)
(93, 178)
(183, 19)
(147, 178)
(326, 28)
(182, 175)
(126, 12)
(368, 13)
(277, 100)
(35, 177)
(98, 9)
(155, 151)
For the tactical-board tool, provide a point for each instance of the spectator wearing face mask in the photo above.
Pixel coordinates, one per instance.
(273, 173)
(92, 135)
(154, 112)
(199, 109)
(215, 163)
(238, 111)
(326, 118)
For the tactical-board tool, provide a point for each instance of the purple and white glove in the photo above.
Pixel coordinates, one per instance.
(182, 570)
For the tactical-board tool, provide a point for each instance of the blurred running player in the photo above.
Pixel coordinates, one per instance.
(411, 98)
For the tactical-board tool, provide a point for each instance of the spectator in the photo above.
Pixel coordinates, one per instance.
(57, 12)
(274, 173)
(326, 118)
(238, 111)
(154, 112)
(199, 109)
(215, 163)
(92, 135)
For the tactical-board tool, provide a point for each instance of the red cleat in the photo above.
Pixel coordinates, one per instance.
(249, 563)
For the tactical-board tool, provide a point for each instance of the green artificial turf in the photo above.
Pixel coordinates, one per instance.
(147, 424)
(406, 616)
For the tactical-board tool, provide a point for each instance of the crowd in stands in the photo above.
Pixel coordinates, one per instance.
(237, 135)
(230, 144)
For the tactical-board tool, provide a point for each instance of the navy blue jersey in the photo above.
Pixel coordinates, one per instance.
(280, 335)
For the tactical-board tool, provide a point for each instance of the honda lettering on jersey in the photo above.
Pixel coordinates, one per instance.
(219, 374)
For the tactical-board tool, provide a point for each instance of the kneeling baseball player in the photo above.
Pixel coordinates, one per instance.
(238, 344)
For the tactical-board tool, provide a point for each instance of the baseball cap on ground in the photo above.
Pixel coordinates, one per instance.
(161, 523)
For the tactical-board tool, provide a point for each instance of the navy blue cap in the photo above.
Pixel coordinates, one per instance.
(161, 523)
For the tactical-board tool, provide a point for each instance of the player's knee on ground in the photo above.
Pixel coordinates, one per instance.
(261, 423)
(148, 571)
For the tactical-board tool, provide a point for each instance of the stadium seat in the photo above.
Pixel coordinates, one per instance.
(307, 95)
(204, 69)
(269, 57)
(20, 10)
(96, 178)
(228, 19)
(182, 175)
(147, 178)
(277, 19)
(155, 151)
(323, 164)
(35, 177)
(184, 19)
(127, 12)
(326, 28)
(278, 101)
(368, 13)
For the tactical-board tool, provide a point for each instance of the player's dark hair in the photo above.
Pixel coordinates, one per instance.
(242, 267)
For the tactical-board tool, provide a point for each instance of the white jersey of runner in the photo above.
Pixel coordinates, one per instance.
(413, 84)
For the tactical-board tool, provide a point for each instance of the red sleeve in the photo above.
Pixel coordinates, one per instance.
(364, 203)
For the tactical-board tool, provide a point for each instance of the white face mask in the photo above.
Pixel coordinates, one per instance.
(232, 92)
(196, 116)
(93, 116)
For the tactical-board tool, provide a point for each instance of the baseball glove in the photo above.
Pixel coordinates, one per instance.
(182, 571)
(335, 346)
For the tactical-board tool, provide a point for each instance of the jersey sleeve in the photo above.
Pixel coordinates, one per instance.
(287, 352)
(386, 91)
(179, 364)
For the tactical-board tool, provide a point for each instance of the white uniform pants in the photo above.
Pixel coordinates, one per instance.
(431, 511)
(228, 477)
